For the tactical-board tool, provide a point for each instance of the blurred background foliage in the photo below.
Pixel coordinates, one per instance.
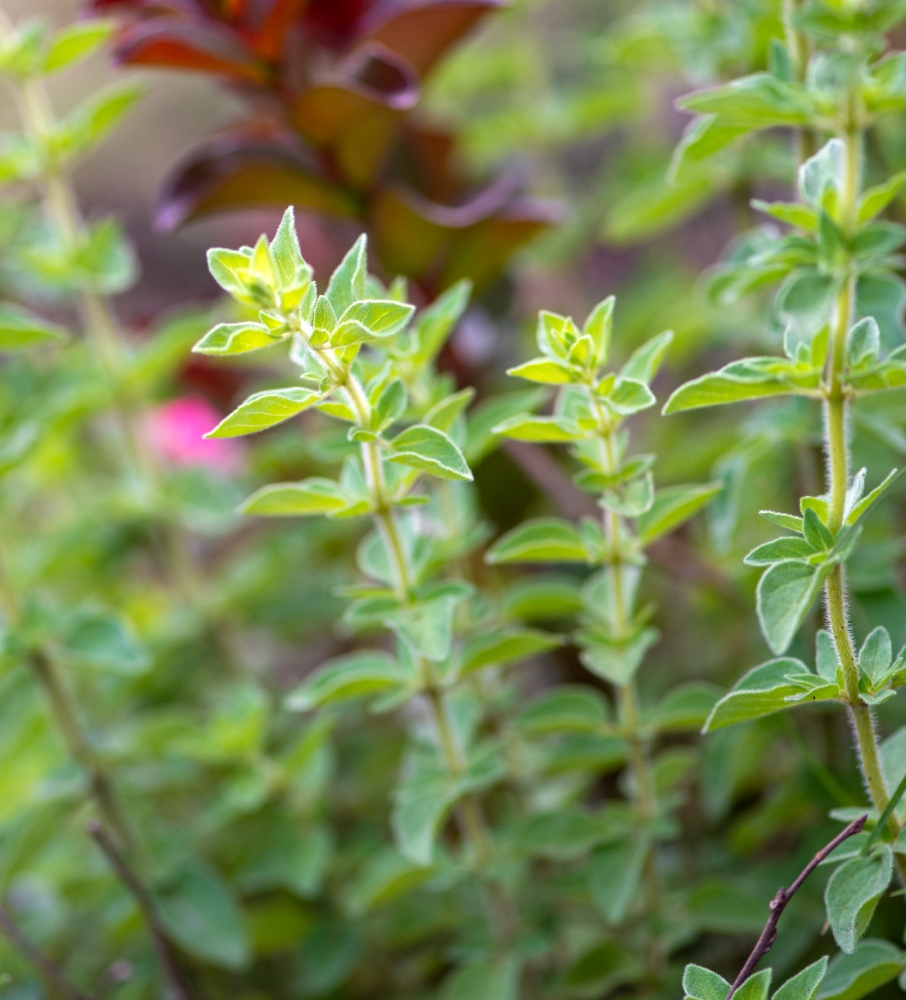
(265, 834)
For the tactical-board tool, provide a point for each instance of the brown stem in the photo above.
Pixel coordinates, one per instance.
(166, 954)
(50, 972)
(780, 900)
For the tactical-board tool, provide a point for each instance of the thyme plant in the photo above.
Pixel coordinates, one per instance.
(838, 307)
(590, 414)
(367, 362)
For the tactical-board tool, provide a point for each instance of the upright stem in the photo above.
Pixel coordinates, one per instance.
(52, 678)
(469, 811)
(102, 331)
(644, 792)
(836, 415)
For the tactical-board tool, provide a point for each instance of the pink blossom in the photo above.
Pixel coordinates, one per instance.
(176, 431)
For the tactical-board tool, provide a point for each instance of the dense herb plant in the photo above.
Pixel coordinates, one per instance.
(591, 410)
(838, 307)
(364, 364)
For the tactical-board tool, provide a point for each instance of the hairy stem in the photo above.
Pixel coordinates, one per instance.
(469, 812)
(644, 792)
(836, 415)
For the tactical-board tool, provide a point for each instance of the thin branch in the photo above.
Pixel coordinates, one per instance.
(169, 961)
(780, 900)
(50, 971)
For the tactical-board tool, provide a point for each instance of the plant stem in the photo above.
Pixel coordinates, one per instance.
(782, 897)
(103, 333)
(51, 675)
(469, 811)
(836, 407)
(49, 970)
(166, 954)
(644, 792)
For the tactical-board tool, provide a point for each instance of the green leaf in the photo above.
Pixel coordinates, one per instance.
(103, 640)
(599, 327)
(823, 173)
(791, 521)
(851, 977)
(21, 330)
(525, 427)
(645, 361)
(286, 254)
(347, 283)
(417, 817)
(685, 709)
(264, 409)
(506, 646)
(426, 627)
(761, 691)
(346, 678)
(90, 121)
(757, 101)
(311, 496)
(630, 396)
(785, 595)
(805, 985)
(430, 450)
(793, 214)
(76, 42)
(199, 912)
(777, 551)
(617, 662)
(372, 319)
(876, 655)
(568, 708)
(443, 415)
(672, 506)
(614, 873)
(484, 980)
(705, 136)
(236, 338)
(387, 877)
(755, 987)
(545, 371)
(816, 532)
(863, 506)
(853, 892)
(700, 983)
(863, 342)
(565, 833)
(721, 387)
(876, 199)
(545, 539)
(432, 325)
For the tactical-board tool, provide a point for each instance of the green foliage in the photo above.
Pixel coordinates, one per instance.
(444, 740)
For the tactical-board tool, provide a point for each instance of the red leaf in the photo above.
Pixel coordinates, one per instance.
(271, 35)
(206, 48)
(246, 169)
(422, 32)
(442, 243)
(333, 22)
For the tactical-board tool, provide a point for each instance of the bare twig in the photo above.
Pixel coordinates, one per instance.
(166, 954)
(50, 971)
(780, 900)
